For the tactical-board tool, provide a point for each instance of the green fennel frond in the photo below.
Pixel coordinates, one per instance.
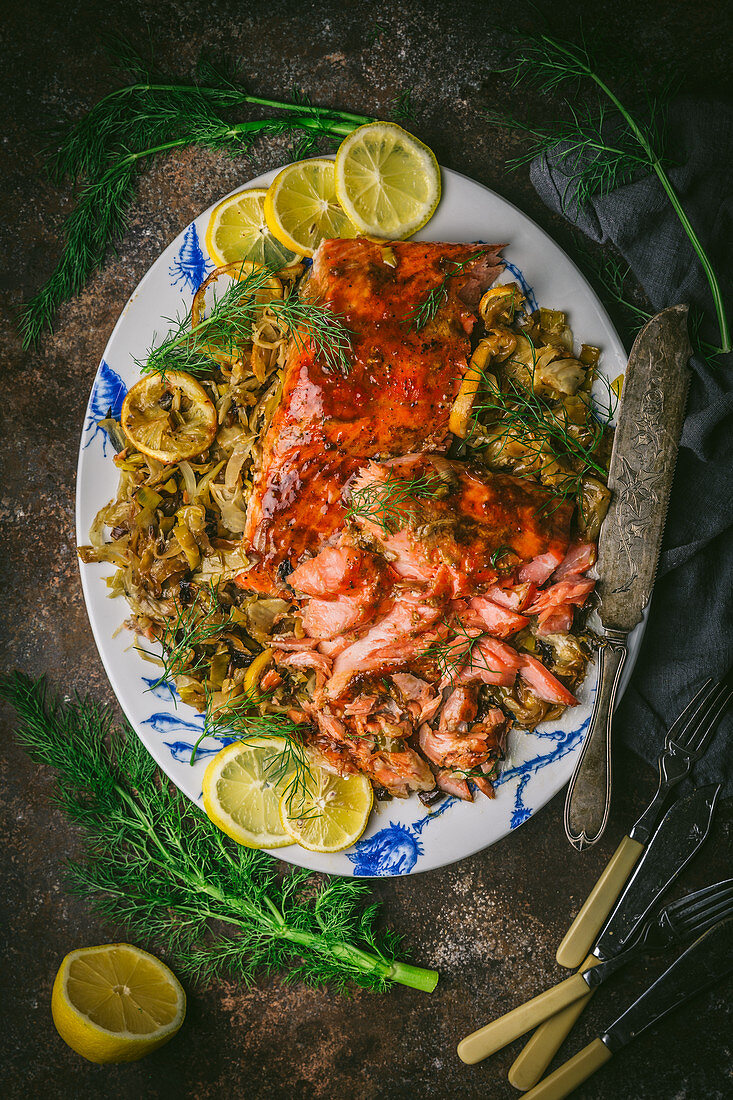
(154, 861)
(228, 327)
(459, 651)
(427, 310)
(603, 145)
(288, 767)
(103, 152)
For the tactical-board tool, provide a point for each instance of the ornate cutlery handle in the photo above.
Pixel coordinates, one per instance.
(589, 794)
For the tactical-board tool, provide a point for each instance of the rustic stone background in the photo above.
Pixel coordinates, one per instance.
(490, 924)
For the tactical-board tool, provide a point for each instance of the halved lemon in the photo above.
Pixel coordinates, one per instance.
(387, 181)
(169, 417)
(116, 1003)
(332, 813)
(242, 792)
(237, 231)
(301, 207)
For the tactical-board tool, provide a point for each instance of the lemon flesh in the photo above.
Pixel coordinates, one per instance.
(237, 231)
(331, 815)
(169, 417)
(116, 1003)
(301, 207)
(387, 181)
(242, 792)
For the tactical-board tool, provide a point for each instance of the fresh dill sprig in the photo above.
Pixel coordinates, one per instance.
(427, 310)
(103, 152)
(289, 767)
(604, 146)
(385, 503)
(401, 109)
(613, 275)
(460, 650)
(186, 631)
(154, 861)
(228, 327)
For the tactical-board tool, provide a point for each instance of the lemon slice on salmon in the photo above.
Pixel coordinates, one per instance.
(169, 417)
(116, 1003)
(387, 181)
(301, 207)
(238, 231)
(332, 812)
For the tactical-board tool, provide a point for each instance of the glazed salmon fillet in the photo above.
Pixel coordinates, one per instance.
(395, 399)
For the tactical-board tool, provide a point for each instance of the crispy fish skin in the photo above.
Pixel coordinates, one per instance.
(395, 399)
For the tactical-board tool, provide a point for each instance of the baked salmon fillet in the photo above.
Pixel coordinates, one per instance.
(396, 398)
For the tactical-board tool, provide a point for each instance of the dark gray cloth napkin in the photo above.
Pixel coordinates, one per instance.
(690, 631)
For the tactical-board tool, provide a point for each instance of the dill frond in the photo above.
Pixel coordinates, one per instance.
(385, 502)
(103, 152)
(603, 145)
(153, 860)
(427, 310)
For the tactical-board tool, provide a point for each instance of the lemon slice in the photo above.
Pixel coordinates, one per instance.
(387, 181)
(301, 207)
(116, 1003)
(242, 793)
(331, 815)
(237, 231)
(169, 417)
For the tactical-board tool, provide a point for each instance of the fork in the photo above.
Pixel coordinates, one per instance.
(686, 741)
(675, 924)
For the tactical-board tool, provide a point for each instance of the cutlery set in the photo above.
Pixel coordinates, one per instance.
(642, 869)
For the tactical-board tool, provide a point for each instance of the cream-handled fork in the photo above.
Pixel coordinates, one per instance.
(679, 921)
(687, 740)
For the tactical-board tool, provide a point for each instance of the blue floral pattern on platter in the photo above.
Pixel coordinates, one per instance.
(191, 266)
(107, 396)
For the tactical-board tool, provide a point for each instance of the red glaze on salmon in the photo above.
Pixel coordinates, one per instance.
(465, 534)
(396, 397)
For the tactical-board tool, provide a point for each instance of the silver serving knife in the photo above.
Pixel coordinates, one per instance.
(645, 444)
(703, 964)
(678, 838)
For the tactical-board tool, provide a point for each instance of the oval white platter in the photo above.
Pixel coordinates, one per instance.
(403, 837)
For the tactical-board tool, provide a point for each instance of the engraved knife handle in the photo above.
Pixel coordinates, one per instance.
(589, 794)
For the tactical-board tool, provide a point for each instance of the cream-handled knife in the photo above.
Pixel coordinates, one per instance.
(703, 964)
(679, 837)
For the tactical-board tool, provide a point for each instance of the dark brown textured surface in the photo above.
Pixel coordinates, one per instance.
(490, 924)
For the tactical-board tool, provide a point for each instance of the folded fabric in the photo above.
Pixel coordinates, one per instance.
(690, 632)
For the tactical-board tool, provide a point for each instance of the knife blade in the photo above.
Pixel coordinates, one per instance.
(703, 964)
(640, 477)
(680, 834)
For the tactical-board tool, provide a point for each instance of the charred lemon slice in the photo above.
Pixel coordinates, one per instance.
(169, 417)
